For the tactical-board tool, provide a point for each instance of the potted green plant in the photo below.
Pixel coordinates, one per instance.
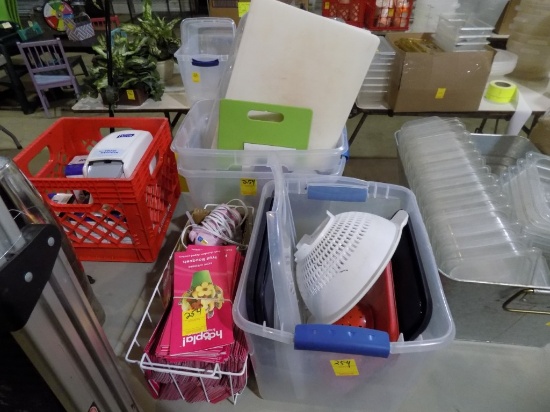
(134, 72)
(162, 41)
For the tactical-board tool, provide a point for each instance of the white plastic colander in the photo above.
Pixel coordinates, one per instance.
(342, 259)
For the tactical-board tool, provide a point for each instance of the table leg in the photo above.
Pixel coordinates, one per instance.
(528, 130)
(173, 122)
(357, 128)
(481, 126)
(131, 9)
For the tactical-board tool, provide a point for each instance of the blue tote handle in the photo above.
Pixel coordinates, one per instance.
(342, 339)
(205, 63)
(337, 193)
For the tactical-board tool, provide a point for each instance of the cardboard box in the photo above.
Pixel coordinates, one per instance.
(224, 8)
(235, 9)
(437, 81)
(503, 24)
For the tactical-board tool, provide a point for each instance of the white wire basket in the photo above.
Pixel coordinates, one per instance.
(173, 373)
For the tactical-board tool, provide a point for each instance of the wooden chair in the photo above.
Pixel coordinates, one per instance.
(48, 68)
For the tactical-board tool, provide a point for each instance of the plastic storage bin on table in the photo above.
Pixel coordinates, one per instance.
(202, 58)
(310, 377)
(216, 176)
(126, 218)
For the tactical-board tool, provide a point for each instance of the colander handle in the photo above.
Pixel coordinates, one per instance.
(342, 339)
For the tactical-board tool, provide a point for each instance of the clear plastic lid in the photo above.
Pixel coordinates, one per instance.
(385, 48)
(207, 35)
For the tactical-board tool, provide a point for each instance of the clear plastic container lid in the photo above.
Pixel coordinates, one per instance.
(514, 269)
(371, 98)
(385, 48)
(467, 205)
(374, 88)
(425, 188)
(464, 24)
(207, 35)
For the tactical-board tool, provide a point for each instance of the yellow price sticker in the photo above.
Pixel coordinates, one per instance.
(440, 93)
(130, 94)
(327, 5)
(249, 187)
(344, 367)
(196, 77)
(193, 321)
(242, 7)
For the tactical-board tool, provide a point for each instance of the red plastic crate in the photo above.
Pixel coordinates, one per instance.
(127, 219)
(388, 15)
(351, 11)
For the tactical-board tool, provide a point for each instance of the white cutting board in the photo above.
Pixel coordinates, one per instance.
(292, 57)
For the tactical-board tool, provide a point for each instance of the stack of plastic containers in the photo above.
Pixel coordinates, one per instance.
(504, 62)
(202, 58)
(374, 89)
(427, 12)
(469, 219)
(527, 185)
(461, 32)
(216, 176)
(530, 39)
(488, 10)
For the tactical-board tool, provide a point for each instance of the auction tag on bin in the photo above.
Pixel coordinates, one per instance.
(344, 367)
(249, 187)
(440, 94)
(193, 321)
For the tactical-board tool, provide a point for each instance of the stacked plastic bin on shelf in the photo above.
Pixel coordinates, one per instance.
(311, 377)
(206, 44)
(374, 89)
(525, 185)
(427, 12)
(469, 215)
(216, 176)
(461, 32)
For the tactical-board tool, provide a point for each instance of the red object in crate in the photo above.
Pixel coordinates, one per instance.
(388, 15)
(351, 11)
(126, 219)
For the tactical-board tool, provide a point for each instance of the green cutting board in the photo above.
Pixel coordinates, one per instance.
(243, 122)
